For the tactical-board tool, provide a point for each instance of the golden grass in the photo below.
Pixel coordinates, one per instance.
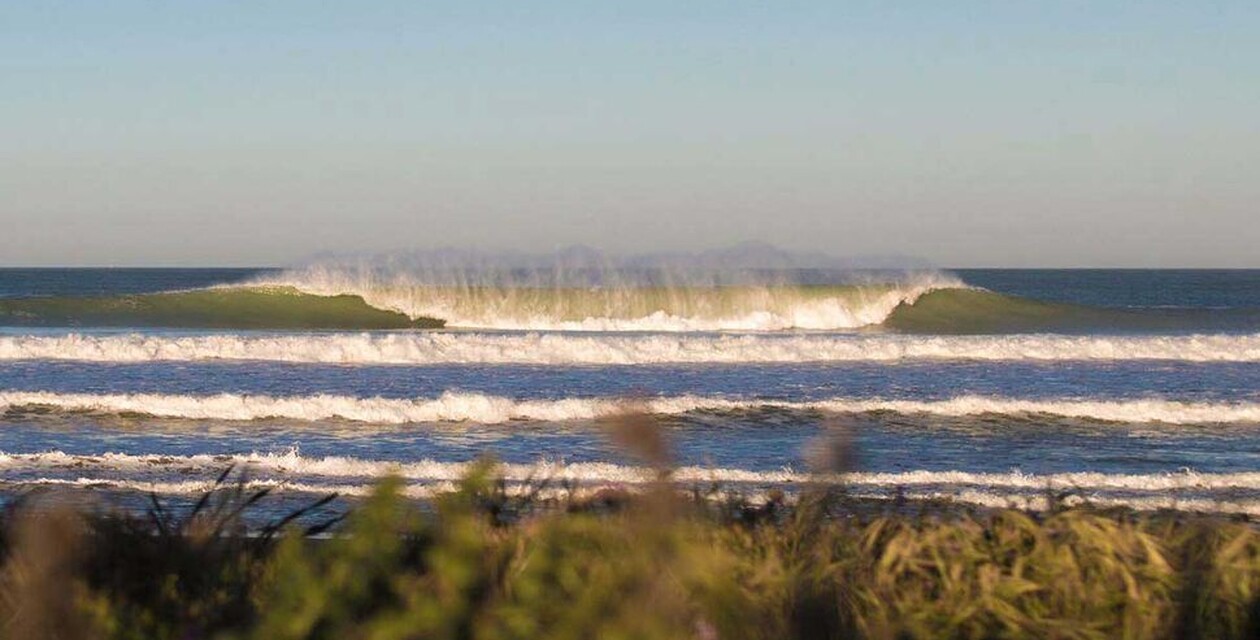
(659, 567)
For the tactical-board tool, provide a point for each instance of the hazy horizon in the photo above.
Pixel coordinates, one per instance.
(502, 256)
(974, 134)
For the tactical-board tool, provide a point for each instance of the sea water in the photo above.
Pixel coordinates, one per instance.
(987, 387)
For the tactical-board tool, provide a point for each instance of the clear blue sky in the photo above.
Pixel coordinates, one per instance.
(1002, 133)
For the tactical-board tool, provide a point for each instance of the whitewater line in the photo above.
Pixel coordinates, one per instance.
(430, 348)
(1033, 501)
(292, 464)
(487, 409)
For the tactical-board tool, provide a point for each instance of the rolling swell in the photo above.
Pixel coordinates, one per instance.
(215, 308)
(978, 311)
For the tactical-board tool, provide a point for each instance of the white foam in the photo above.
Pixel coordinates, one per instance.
(584, 349)
(487, 409)
(992, 498)
(291, 464)
(997, 500)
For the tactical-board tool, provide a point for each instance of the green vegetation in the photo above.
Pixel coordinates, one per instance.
(481, 564)
(223, 308)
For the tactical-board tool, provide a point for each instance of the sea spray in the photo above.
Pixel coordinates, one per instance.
(585, 290)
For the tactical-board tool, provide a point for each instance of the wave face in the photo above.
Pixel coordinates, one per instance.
(429, 348)
(486, 409)
(976, 311)
(215, 308)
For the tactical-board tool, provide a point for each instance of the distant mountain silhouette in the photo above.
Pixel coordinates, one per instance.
(751, 255)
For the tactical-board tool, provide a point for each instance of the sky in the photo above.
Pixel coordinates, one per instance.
(964, 133)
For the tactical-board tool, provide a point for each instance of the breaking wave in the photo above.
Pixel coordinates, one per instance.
(765, 291)
(426, 348)
(486, 409)
(284, 306)
(917, 303)
(673, 309)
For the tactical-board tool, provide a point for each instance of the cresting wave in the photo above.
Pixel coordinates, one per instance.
(661, 308)
(485, 409)
(291, 464)
(749, 287)
(933, 304)
(620, 349)
(716, 298)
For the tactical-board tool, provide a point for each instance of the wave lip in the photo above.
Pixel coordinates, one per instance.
(429, 348)
(487, 409)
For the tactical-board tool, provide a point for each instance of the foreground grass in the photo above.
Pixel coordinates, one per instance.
(480, 565)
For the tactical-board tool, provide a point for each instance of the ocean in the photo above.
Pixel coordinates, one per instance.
(984, 387)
